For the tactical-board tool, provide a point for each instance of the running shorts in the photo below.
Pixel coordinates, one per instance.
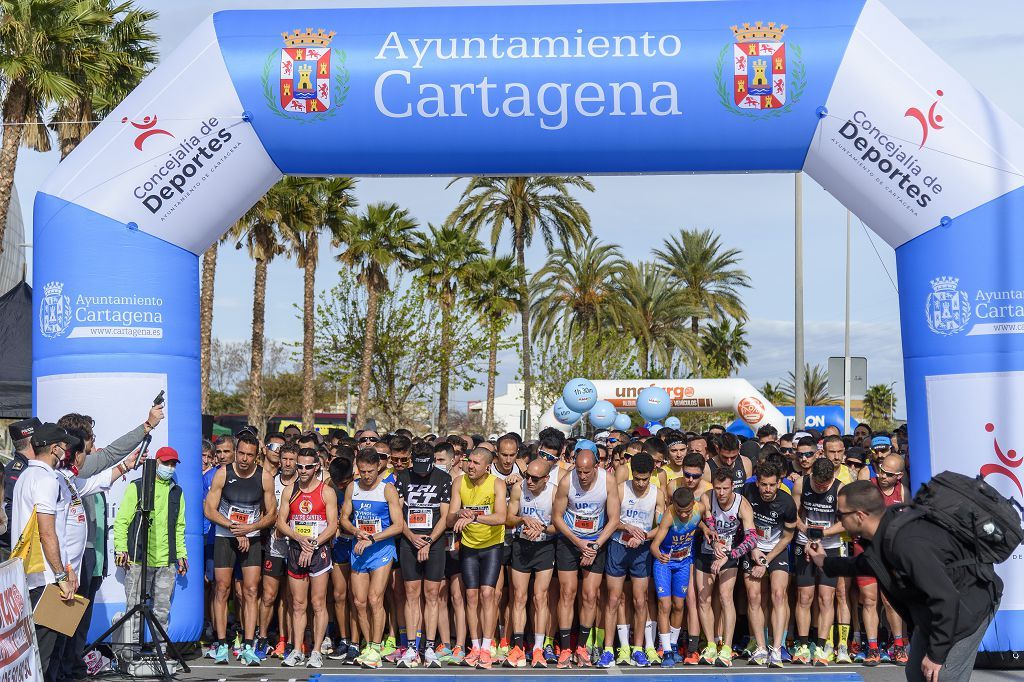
(530, 557)
(318, 565)
(481, 566)
(671, 579)
(807, 573)
(412, 569)
(623, 560)
(377, 555)
(273, 566)
(226, 553)
(779, 563)
(341, 551)
(702, 562)
(568, 555)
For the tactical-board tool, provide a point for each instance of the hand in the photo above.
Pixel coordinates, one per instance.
(419, 542)
(360, 547)
(240, 529)
(757, 572)
(461, 523)
(66, 591)
(362, 535)
(132, 460)
(588, 559)
(182, 566)
(632, 542)
(121, 559)
(717, 564)
(533, 525)
(801, 525)
(531, 533)
(719, 550)
(156, 415)
(815, 554)
(658, 555)
(710, 537)
(467, 514)
(423, 553)
(243, 544)
(309, 545)
(305, 557)
(930, 669)
(513, 480)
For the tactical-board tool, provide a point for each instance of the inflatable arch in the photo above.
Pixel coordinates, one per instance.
(841, 90)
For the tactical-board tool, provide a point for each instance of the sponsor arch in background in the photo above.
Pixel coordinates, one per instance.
(841, 90)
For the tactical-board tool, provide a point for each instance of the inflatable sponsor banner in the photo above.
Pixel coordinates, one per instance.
(19, 657)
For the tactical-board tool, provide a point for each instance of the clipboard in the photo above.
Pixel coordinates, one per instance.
(56, 614)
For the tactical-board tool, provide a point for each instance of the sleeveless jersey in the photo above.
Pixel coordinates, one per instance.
(480, 500)
(307, 513)
(678, 542)
(636, 511)
(585, 509)
(895, 497)
(770, 518)
(727, 523)
(241, 499)
(277, 545)
(739, 474)
(340, 492)
(671, 475)
(819, 511)
(536, 507)
(516, 471)
(370, 510)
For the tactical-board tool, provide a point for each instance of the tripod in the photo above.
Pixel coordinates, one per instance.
(143, 607)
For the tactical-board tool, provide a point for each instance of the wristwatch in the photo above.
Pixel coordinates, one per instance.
(763, 560)
(594, 546)
(428, 539)
(60, 578)
(372, 539)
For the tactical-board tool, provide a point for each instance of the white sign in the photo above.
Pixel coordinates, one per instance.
(155, 164)
(907, 140)
(19, 658)
(974, 427)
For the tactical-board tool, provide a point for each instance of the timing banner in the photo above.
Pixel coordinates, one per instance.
(840, 89)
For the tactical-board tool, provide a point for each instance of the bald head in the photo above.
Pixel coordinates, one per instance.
(585, 459)
(483, 452)
(894, 464)
(538, 467)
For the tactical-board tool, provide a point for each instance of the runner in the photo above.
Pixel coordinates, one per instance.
(698, 444)
(347, 651)
(478, 511)
(308, 517)
(275, 548)
(372, 514)
(775, 520)
(728, 459)
(834, 449)
(816, 497)
(507, 469)
(241, 504)
(425, 492)
(693, 480)
(672, 550)
(586, 498)
(804, 456)
(729, 519)
(451, 598)
(533, 555)
(629, 553)
(673, 468)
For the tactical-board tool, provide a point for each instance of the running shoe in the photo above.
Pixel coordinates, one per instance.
(724, 659)
(501, 652)
(856, 651)
(221, 656)
(388, 647)
(457, 657)
(749, 649)
(431, 659)
(549, 655)
(485, 660)
(640, 659)
(623, 656)
(370, 658)
(516, 658)
(339, 654)
(316, 660)
(692, 658)
(843, 654)
(872, 657)
(607, 659)
(709, 655)
(758, 657)
(352, 654)
(262, 649)
(774, 658)
(822, 655)
(537, 659)
(564, 659)
(410, 659)
(327, 646)
(395, 656)
(473, 657)
(802, 654)
(248, 656)
(583, 659)
(786, 656)
(899, 655)
(294, 658)
(212, 651)
(652, 655)
(669, 660)
(279, 650)
(883, 652)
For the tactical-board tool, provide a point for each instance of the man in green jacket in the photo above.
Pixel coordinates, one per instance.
(166, 551)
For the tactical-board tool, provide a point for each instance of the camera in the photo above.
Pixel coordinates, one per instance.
(815, 534)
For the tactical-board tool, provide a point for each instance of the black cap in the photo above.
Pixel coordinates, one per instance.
(50, 433)
(422, 463)
(24, 428)
(750, 449)
(857, 453)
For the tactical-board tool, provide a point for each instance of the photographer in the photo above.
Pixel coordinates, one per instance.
(929, 577)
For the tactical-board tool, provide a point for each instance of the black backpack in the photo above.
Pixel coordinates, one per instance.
(971, 510)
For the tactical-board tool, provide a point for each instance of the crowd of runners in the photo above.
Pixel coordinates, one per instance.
(639, 549)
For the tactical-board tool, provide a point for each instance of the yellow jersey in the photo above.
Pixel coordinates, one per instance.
(480, 500)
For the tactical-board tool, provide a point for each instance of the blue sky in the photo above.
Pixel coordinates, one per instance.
(751, 212)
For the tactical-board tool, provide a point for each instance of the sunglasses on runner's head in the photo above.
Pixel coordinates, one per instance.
(889, 474)
(306, 467)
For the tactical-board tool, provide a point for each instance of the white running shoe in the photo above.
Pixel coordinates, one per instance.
(293, 659)
(316, 660)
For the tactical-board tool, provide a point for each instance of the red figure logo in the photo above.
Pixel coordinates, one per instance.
(148, 130)
(929, 122)
(1009, 461)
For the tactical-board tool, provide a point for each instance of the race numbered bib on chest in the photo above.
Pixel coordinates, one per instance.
(371, 525)
(586, 523)
(725, 542)
(240, 515)
(679, 553)
(480, 510)
(306, 529)
(763, 533)
(420, 519)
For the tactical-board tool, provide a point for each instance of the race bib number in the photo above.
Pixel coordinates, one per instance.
(818, 524)
(76, 512)
(587, 524)
(762, 533)
(481, 510)
(371, 526)
(304, 529)
(420, 519)
(240, 516)
(725, 542)
(679, 553)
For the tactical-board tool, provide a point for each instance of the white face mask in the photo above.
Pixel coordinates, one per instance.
(164, 472)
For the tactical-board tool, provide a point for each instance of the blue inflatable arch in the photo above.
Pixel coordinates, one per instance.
(841, 90)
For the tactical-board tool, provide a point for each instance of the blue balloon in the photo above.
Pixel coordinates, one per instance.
(653, 403)
(654, 428)
(673, 423)
(563, 414)
(623, 422)
(580, 395)
(603, 414)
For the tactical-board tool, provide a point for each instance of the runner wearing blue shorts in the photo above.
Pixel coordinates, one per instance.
(672, 549)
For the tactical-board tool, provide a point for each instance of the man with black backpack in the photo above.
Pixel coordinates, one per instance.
(934, 560)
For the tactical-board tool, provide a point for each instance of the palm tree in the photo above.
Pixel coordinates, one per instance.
(257, 230)
(126, 49)
(208, 279)
(879, 403)
(318, 204)
(725, 346)
(444, 259)
(577, 290)
(383, 236)
(46, 50)
(493, 288)
(655, 313)
(815, 387)
(708, 274)
(774, 394)
(526, 205)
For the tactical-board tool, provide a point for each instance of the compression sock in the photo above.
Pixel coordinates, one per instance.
(486, 644)
(538, 641)
(873, 644)
(844, 634)
(897, 640)
(649, 633)
(623, 631)
(584, 638)
(599, 638)
(692, 644)
(403, 638)
(417, 643)
(673, 636)
(666, 643)
(590, 638)
(549, 640)
(563, 639)
(518, 639)
(429, 644)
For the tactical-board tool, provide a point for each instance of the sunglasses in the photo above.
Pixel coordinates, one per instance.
(881, 449)
(693, 477)
(890, 474)
(854, 463)
(306, 467)
(369, 439)
(548, 456)
(535, 479)
(840, 515)
(807, 455)
(787, 451)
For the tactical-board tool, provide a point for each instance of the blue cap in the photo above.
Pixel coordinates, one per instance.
(585, 444)
(881, 441)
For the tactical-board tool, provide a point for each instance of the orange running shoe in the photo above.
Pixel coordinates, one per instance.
(516, 658)
(278, 651)
(484, 662)
(692, 658)
(564, 659)
(583, 657)
(538, 659)
(474, 657)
